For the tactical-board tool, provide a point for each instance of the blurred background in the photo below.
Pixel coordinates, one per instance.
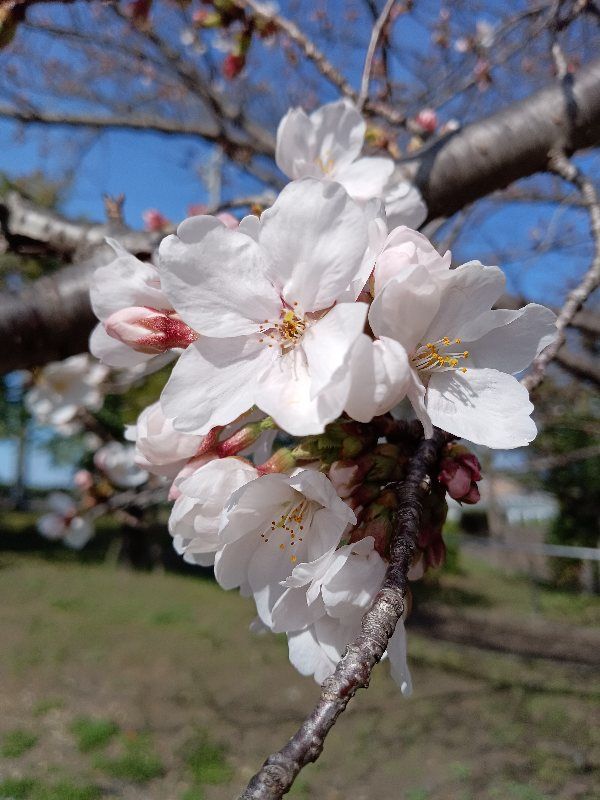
(128, 674)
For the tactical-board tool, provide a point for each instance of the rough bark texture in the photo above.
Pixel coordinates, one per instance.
(451, 173)
(353, 672)
(514, 143)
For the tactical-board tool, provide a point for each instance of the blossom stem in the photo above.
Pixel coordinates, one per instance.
(353, 672)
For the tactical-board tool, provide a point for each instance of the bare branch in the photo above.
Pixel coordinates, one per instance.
(374, 42)
(561, 165)
(353, 672)
(321, 62)
(579, 366)
(234, 143)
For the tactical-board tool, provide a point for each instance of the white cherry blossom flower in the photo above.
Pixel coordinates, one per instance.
(63, 523)
(159, 448)
(328, 143)
(323, 606)
(273, 524)
(461, 355)
(196, 514)
(63, 388)
(117, 461)
(264, 300)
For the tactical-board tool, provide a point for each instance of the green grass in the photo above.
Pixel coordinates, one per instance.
(17, 742)
(28, 789)
(92, 734)
(16, 788)
(206, 760)
(138, 763)
(43, 707)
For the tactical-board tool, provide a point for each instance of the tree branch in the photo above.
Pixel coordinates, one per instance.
(454, 172)
(561, 165)
(512, 144)
(375, 36)
(353, 672)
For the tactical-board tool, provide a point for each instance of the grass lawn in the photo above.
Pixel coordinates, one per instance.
(148, 686)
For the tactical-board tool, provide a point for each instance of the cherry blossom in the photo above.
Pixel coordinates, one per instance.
(271, 525)
(461, 355)
(327, 144)
(62, 522)
(323, 618)
(117, 461)
(159, 448)
(195, 518)
(264, 304)
(64, 388)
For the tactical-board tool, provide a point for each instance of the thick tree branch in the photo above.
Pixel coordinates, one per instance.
(512, 144)
(353, 672)
(471, 163)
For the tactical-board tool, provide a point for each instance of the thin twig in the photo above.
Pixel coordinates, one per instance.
(353, 672)
(562, 166)
(373, 44)
(320, 60)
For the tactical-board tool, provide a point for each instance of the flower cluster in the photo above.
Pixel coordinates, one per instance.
(323, 319)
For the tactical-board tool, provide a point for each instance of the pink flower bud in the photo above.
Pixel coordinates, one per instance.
(147, 330)
(426, 120)
(228, 220)
(197, 209)
(83, 480)
(458, 473)
(233, 65)
(154, 220)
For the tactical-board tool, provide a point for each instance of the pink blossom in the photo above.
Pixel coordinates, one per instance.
(154, 220)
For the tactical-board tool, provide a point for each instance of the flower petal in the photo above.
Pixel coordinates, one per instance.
(366, 177)
(397, 654)
(406, 306)
(295, 149)
(485, 406)
(328, 342)
(404, 205)
(214, 382)
(284, 393)
(126, 281)
(113, 352)
(315, 237)
(512, 339)
(339, 132)
(467, 292)
(379, 378)
(216, 278)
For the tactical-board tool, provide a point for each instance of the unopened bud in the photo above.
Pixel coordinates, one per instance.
(154, 220)
(233, 64)
(426, 121)
(148, 330)
(283, 460)
(244, 438)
